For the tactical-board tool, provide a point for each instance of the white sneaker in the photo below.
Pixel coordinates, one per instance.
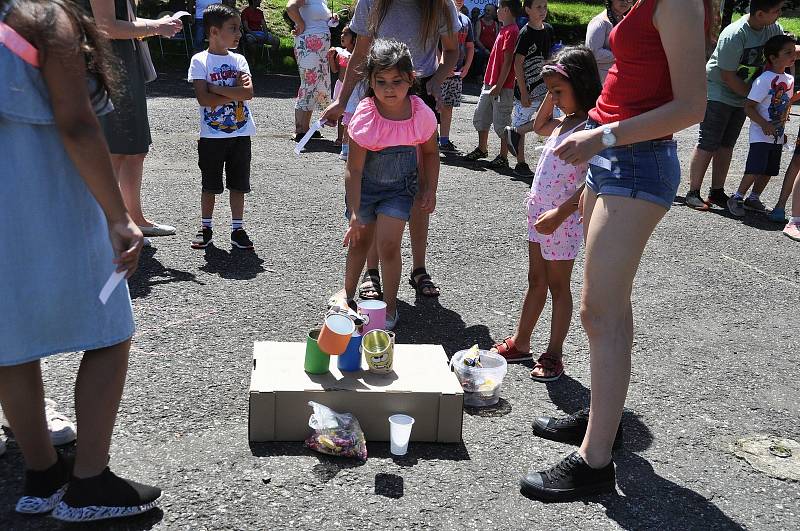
(391, 321)
(62, 430)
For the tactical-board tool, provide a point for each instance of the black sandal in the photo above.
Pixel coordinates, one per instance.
(424, 286)
(370, 288)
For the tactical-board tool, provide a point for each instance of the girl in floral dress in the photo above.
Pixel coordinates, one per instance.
(554, 226)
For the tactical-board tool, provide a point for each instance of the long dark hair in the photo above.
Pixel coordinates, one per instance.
(385, 54)
(37, 22)
(610, 12)
(581, 68)
(431, 14)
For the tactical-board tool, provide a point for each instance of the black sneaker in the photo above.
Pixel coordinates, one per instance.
(105, 496)
(44, 489)
(239, 239)
(569, 429)
(315, 134)
(512, 138)
(203, 238)
(499, 163)
(718, 197)
(448, 147)
(522, 170)
(570, 479)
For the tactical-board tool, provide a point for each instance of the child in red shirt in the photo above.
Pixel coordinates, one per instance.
(497, 97)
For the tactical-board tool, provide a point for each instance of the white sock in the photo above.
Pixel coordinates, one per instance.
(207, 223)
(236, 224)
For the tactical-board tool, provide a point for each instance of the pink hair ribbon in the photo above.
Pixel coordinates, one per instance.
(557, 68)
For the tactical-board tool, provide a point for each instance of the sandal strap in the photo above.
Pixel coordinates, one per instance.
(506, 345)
(419, 271)
(549, 362)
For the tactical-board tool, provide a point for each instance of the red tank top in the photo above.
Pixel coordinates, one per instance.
(639, 80)
(488, 34)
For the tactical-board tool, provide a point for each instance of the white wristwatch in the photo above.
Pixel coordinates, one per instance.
(609, 139)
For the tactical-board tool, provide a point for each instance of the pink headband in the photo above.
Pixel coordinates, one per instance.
(557, 68)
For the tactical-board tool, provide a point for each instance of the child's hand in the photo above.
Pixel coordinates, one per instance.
(354, 232)
(426, 201)
(525, 100)
(549, 221)
(580, 206)
(769, 129)
(127, 241)
(495, 90)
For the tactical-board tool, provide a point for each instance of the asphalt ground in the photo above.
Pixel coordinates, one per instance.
(715, 355)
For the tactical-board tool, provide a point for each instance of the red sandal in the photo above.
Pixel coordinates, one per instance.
(508, 350)
(548, 362)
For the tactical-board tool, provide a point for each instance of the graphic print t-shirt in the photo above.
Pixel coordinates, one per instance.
(231, 119)
(534, 45)
(465, 35)
(773, 93)
(740, 49)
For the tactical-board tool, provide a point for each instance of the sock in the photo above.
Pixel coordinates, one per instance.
(207, 223)
(737, 195)
(754, 196)
(443, 140)
(236, 224)
(795, 220)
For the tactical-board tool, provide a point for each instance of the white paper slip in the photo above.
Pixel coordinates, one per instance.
(114, 279)
(303, 141)
(603, 162)
(179, 14)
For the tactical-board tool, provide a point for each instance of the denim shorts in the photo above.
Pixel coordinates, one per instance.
(388, 184)
(648, 170)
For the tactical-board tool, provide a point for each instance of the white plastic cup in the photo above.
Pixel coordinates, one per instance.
(399, 433)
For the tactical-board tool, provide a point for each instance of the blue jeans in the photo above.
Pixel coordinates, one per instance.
(199, 34)
(649, 171)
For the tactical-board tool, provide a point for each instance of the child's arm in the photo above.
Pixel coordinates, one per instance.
(334, 64)
(519, 74)
(429, 180)
(470, 47)
(751, 110)
(549, 221)
(243, 90)
(508, 62)
(205, 97)
(352, 186)
(543, 123)
(64, 72)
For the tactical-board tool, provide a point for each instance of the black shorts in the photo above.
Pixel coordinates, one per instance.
(233, 154)
(764, 158)
(721, 126)
(429, 100)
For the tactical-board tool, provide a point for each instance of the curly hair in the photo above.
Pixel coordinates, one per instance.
(581, 68)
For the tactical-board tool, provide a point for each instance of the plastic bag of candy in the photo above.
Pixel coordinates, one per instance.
(335, 433)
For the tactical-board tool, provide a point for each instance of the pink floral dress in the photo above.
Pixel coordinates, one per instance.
(554, 184)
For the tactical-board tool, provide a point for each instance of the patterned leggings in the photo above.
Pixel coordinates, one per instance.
(315, 77)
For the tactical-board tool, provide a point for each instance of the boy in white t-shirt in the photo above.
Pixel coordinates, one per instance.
(767, 106)
(222, 85)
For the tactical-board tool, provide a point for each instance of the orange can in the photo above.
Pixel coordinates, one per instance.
(335, 334)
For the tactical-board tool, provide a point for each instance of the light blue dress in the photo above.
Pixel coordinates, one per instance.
(55, 252)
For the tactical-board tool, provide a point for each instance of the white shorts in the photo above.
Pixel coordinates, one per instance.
(522, 115)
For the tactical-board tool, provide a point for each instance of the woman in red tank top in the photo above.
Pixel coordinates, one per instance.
(655, 88)
(485, 34)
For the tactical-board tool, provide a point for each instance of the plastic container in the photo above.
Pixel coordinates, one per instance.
(481, 384)
(400, 433)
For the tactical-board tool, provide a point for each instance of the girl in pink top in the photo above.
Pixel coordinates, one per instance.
(388, 129)
(554, 227)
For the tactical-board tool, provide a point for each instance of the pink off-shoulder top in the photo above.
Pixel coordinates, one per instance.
(370, 130)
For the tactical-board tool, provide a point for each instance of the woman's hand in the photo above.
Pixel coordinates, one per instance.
(127, 241)
(580, 146)
(354, 232)
(331, 115)
(299, 28)
(549, 221)
(434, 88)
(168, 26)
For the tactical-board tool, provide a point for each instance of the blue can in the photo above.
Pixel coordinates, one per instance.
(350, 360)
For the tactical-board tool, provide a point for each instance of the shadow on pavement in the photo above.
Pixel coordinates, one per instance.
(650, 501)
(417, 451)
(236, 264)
(500, 409)
(151, 273)
(442, 326)
(389, 485)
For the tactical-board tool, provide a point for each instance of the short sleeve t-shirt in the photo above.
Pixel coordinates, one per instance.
(465, 35)
(506, 40)
(773, 93)
(534, 45)
(403, 22)
(233, 118)
(253, 18)
(739, 49)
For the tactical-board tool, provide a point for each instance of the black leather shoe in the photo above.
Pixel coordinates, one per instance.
(569, 429)
(570, 479)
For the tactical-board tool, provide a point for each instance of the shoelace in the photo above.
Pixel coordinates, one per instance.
(570, 419)
(561, 470)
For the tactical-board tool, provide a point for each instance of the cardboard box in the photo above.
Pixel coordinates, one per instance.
(421, 385)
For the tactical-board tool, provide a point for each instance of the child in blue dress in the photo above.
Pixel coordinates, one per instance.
(64, 229)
